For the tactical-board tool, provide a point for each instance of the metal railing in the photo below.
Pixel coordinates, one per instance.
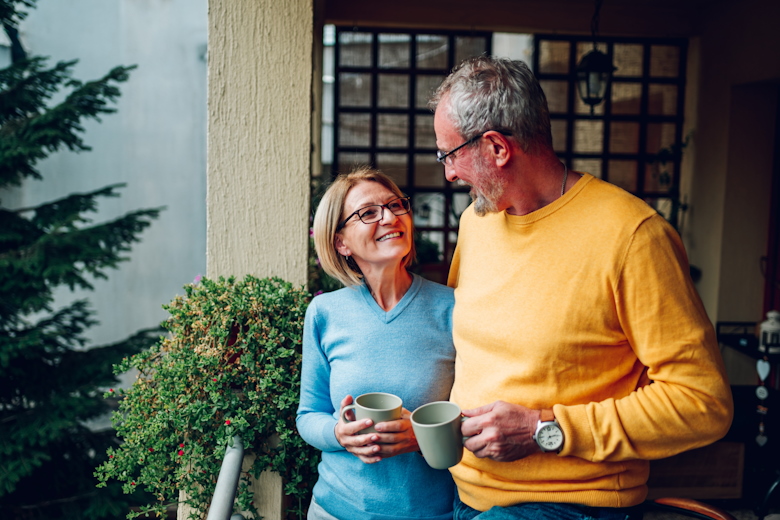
(227, 483)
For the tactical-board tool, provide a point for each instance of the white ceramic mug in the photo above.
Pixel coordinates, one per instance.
(437, 428)
(377, 406)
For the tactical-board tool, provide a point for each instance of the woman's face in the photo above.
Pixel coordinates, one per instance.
(379, 244)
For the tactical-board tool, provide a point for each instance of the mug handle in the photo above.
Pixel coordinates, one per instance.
(344, 412)
(462, 420)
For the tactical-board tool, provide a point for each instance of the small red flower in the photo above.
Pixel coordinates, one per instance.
(181, 445)
(132, 483)
(151, 449)
(227, 422)
(110, 389)
(110, 456)
(181, 452)
(215, 379)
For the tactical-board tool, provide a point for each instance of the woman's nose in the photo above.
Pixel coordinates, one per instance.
(388, 217)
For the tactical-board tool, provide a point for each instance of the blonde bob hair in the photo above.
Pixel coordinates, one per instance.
(329, 216)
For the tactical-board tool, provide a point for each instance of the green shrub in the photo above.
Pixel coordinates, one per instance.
(231, 365)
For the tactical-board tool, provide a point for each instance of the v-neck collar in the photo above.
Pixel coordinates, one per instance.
(388, 316)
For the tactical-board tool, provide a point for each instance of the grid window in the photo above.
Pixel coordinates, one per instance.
(384, 78)
(641, 116)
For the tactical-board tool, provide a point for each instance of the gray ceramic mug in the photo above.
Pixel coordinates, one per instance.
(377, 406)
(437, 428)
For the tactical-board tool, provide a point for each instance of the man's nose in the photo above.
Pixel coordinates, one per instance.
(449, 171)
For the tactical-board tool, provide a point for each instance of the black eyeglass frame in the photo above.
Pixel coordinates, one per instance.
(442, 156)
(381, 211)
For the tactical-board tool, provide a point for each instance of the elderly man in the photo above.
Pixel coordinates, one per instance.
(583, 349)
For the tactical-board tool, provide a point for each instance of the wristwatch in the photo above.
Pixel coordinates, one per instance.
(548, 434)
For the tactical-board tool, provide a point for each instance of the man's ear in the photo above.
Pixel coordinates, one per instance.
(341, 247)
(500, 147)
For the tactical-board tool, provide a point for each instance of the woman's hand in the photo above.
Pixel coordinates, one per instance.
(396, 437)
(361, 445)
(392, 437)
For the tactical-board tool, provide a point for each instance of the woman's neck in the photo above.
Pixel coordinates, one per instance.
(388, 286)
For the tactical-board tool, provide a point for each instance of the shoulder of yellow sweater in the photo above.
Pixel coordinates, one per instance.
(608, 202)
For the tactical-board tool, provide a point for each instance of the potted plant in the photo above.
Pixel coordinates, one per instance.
(230, 366)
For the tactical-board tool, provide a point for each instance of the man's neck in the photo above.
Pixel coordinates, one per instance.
(536, 182)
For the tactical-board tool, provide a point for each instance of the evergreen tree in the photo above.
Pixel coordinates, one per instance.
(51, 381)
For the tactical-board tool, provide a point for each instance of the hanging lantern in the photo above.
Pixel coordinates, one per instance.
(594, 72)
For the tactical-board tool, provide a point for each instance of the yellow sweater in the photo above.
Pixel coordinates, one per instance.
(573, 307)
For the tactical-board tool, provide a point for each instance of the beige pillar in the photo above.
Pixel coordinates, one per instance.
(259, 152)
(259, 137)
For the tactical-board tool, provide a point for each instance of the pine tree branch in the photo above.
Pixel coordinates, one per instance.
(47, 503)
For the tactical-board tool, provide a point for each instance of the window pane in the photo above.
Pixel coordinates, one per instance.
(393, 90)
(591, 166)
(660, 135)
(623, 174)
(424, 136)
(460, 201)
(623, 138)
(553, 57)
(427, 172)
(468, 46)
(659, 177)
(558, 127)
(662, 100)
(354, 129)
(348, 161)
(557, 93)
(393, 50)
(626, 98)
(430, 245)
(394, 165)
(426, 86)
(589, 136)
(664, 61)
(393, 130)
(354, 89)
(355, 49)
(432, 51)
(429, 210)
(627, 59)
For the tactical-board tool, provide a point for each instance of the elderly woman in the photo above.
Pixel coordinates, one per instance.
(388, 331)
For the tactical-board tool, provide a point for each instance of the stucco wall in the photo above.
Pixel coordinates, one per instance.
(259, 137)
(259, 151)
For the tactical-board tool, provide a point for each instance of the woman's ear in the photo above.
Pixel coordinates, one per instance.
(341, 247)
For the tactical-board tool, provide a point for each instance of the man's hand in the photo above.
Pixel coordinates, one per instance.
(501, 431)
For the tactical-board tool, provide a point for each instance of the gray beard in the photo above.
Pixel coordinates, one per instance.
(486, 199)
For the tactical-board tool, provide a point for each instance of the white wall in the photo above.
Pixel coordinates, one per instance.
(156, 143)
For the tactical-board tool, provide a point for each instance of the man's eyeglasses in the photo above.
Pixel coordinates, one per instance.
(442, 156)
(376, 212)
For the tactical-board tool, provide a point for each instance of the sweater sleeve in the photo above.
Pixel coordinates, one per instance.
(688, 404)
(315, 418)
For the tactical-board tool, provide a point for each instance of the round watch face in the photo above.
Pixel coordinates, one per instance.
(550, 437)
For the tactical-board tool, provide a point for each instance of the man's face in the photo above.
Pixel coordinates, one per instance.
(470, 165)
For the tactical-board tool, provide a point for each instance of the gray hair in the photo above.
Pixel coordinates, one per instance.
(489, 93)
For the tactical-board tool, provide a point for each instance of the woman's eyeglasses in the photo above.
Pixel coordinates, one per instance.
(375, 212)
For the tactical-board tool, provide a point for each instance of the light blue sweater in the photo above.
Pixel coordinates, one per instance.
(352, 346)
